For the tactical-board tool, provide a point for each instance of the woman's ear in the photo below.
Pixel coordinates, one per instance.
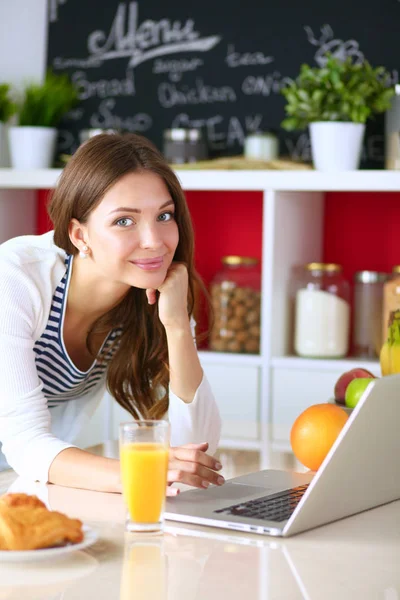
(78, 234)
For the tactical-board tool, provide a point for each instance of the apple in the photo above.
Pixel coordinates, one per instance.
(355, 390)
(344, 380)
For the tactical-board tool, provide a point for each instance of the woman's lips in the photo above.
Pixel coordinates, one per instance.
(149, 264)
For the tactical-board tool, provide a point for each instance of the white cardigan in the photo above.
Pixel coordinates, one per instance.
(32, 435)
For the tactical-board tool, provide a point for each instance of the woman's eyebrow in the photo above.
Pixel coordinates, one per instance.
(136, 210)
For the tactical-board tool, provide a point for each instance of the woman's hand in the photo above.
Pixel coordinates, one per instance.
(172, 303)
(191, 465)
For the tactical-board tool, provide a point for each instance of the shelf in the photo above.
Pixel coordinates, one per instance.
(291, 180)
(218, 358)
(33, 179)
(340, 364)
(362, 180)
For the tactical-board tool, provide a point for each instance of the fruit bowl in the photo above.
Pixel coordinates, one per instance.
(345, 408)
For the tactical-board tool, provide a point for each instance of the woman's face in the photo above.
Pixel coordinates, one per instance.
(132, 234)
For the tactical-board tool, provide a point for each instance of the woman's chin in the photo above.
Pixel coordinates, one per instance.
(147, 281)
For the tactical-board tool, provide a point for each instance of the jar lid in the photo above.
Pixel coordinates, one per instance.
(266, 133)
(396, 269)
(178, 134)
(194, 135)
(370, 276)
(239, 260)
(317, 266)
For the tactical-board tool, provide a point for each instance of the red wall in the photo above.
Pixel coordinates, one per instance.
(361, 229)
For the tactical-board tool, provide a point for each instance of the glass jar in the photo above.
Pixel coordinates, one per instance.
(391, 299)
(322, 311)
(236, 301)
(262, 146)
(367, 313)
(174, 147)
(196, 147)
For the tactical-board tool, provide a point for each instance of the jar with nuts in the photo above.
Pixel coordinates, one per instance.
(236, 300)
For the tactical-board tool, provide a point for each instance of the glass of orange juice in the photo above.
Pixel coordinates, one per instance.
(143, 447)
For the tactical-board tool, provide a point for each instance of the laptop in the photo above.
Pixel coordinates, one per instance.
(361, 471)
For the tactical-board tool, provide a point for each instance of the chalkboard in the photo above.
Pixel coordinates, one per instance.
(147, 66)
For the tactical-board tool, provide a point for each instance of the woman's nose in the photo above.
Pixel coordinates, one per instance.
(149, 237)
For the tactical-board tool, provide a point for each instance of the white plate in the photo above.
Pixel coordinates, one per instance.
(89, 537)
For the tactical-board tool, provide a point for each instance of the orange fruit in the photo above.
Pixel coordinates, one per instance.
(314, 432)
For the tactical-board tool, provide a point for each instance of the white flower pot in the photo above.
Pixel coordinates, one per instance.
(336, 146)
(32, 147)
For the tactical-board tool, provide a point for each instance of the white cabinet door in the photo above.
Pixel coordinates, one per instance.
(237, 391)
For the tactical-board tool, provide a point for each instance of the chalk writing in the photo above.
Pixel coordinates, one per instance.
(106, 119)
(66, 141)
(103, 88)
(82, 63)
(53, 9)
(299, 149)
(338, 48)
(147, 40)
(169, 95)
(247, 59)
(222, 132)
(175, 68)
(264, 85)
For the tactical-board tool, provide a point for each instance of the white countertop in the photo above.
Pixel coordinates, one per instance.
(357, 558)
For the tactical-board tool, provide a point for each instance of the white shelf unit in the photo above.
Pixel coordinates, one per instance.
(272, 387)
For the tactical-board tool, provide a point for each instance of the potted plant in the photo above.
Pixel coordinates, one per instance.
(335, 101)
(7, 109)
(33, 141)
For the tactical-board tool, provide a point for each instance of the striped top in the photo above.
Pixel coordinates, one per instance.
(62, 380)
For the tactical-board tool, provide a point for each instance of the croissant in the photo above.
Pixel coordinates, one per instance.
(26, 524)
(21, 500)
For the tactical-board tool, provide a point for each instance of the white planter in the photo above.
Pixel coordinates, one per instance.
(336, 146)
(32, 147)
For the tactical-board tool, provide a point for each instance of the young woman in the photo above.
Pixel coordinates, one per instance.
(104, 300)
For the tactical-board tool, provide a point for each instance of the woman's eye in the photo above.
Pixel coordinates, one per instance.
(166, 216)
(124, 222)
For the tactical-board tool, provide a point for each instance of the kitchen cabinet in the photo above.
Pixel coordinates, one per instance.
(273, 386)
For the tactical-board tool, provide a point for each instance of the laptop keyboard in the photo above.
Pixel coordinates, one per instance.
(276, 507)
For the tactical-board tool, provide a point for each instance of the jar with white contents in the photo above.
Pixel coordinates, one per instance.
(322, 312)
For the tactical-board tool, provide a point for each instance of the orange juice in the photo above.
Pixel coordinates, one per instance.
(144, 478)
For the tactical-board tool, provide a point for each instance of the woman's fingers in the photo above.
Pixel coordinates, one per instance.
(194, 454)
(193, 474)
(191, 465)
(151, 296)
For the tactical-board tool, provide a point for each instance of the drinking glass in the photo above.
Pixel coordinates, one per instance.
(144, 449)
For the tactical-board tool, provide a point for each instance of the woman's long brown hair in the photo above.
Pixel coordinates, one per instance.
(138, 373)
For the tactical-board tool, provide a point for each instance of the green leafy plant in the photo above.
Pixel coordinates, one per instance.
(7, 107)
(339, 91)
(44, 105)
